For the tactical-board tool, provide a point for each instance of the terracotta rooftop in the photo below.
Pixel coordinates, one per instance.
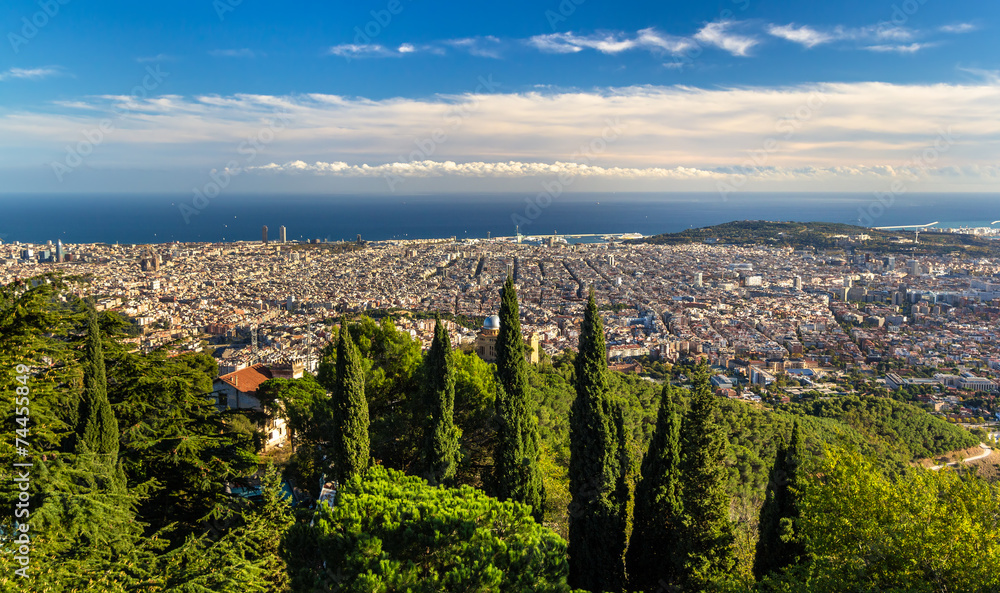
(249, 379)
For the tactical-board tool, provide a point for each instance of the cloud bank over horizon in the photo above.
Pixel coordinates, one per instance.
(832, 135)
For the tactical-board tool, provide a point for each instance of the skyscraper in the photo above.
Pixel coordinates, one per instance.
(60, 256)
(263, 235)
(282, 234)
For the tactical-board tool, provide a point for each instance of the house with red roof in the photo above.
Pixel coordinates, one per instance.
(238, 391)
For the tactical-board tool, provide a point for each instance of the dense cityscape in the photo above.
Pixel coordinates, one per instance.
(754, 313)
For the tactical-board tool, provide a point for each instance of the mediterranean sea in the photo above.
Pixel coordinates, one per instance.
(149, 218)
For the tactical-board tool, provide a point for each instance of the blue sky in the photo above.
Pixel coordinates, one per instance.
(405, 96)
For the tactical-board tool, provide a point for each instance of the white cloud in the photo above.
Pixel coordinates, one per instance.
(243, 52)
(840, 130)
(371, 50)
(30, 73)
(888, 33)
(648, 39)
(882, 37)
(518, 169)
(718, 34)
(805, 35)
(958, 28)
(988, 76)
(652, 39)
(481, 169)
(561, 43)
(483, 47)
(901, 49)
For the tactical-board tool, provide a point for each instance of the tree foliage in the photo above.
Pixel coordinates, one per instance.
(598, 516)
(914, 530)
(651, 559)
(392, 532)
(516, 475)
(441, 437)
(707, 533)
(779, 544)
(351, 444)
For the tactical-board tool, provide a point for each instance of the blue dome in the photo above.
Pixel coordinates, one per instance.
(492, 322)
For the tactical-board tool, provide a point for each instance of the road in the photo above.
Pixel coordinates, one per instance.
(986, 453)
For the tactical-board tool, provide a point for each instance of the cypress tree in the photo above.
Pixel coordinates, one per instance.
(326, 373)
(351, 446)
(516, 473)
(441, 436)
(707, 532)
(597, 522)
(778, 545)
(97, 427)
(651, 558)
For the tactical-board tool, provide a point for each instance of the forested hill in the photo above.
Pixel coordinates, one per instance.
(824, 235)
(630, 483)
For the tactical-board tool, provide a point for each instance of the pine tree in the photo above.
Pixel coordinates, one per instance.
(441, 437)
(778, 545)
(351, 446)
(516, 474)
(651, 558)
(707, 532)
(97, 428)
(597, 523)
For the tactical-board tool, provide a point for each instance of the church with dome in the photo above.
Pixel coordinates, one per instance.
(485, 345)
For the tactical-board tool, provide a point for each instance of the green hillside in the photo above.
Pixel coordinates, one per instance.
(826, 235)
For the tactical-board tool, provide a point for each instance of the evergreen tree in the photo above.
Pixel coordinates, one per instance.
(651, 558)
(779, 545)
(176, 447)
(707, 532)
(393, 532)
(326, 373)
(441, 437)
(516, 474)
(97, 428)
(350, 411)
(597, 523)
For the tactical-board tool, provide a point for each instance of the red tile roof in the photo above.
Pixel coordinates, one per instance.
(249, 379)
